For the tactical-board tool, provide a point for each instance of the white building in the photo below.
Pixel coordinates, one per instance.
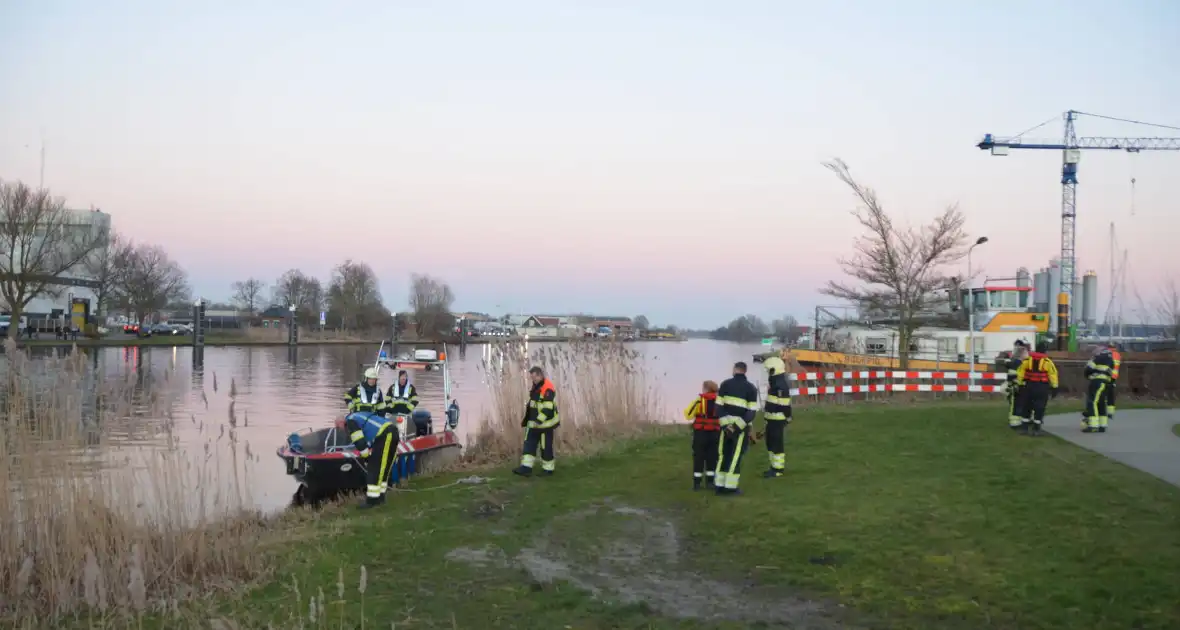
(77, 282)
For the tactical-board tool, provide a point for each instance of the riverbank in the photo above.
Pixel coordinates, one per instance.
(925, 516)
(215, 340)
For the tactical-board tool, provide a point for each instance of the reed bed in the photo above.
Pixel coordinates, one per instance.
(91, 532)
(604, 394)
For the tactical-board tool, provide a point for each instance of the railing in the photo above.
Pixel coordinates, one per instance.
(889, 381)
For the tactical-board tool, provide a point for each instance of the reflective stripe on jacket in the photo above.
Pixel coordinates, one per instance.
(401, 400)
(778, 398)
(361, 398)
(541, 411)
(738, 398)
(364, 427)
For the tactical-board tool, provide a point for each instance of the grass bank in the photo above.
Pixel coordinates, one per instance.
(930, 516)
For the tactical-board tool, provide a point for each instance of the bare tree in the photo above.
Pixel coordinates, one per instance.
(102, 267)
(897, 269)
(787, 329)
(41, 242)
(641, 323)
(354, 298)
(304, 292)
(147, 280)
(1167, 308)
(247, 294)
(430, 300)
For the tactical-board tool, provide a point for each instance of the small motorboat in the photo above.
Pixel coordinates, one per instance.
(326, 464)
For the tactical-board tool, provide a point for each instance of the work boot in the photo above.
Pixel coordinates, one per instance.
(696, 483)
(1089, 429)
(369, 504)
(1102, 429)
(1023, 428)
(1034, 431)
(546, 473)
(772, 473)
(523, 471)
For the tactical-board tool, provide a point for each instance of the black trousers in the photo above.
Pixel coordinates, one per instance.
(1015, 415)
(729, 466)
(383, 451)
(539, 440)
(776, 443)
(1034, 398)
(1096, 397)
(705, 452)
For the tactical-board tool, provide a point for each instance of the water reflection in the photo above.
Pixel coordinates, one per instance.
(200, 400)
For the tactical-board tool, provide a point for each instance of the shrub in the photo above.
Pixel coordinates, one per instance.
(108, 533)
(604, 394)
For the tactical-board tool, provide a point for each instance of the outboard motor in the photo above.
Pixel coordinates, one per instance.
(453, 415)
(423, 423)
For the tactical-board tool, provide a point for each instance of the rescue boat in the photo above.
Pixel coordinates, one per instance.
(326, 465)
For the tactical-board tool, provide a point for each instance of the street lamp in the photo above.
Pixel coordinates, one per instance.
(971, 309)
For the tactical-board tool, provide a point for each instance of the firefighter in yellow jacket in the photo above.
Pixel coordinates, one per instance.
(1037, 381)
(1099, 374)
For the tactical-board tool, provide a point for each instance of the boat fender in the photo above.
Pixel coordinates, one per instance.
(453, 415)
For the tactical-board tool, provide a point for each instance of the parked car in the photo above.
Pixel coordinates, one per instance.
(130, 329)
(6, 321)
(167, 330)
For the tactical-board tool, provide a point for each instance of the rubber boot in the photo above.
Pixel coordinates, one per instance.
(523, 471)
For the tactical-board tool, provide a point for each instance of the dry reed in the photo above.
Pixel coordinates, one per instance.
(604, 394)
(93, 531)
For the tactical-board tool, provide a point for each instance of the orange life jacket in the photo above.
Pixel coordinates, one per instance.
(1036, 372)
(1118, 359)
(706, 416)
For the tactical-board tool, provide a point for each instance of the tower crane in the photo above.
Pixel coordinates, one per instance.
(1071, 150)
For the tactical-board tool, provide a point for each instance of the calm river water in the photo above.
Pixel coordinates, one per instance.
(279, 390)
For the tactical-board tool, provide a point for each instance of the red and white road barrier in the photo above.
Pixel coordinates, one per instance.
(894, 381)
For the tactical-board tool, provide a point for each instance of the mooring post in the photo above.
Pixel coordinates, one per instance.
(397, 329)
(198, 325)
(462, 337)
(292, 327)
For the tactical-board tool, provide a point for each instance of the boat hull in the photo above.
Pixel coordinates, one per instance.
(329, 475)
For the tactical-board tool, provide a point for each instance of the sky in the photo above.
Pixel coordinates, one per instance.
(661, 157)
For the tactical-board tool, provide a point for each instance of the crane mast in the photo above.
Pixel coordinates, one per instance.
(1071, 150)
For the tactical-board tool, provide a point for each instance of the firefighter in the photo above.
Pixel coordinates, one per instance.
(1019, 351)
(1117, 360)
(402, 398)
(738, 399)
(1037, 381)
(777, 414)
(706, 435)
(540, 422)
(375, 441)
(1098, 376)
(365, 396)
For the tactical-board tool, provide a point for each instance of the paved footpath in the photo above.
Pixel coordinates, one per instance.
(1140, 438)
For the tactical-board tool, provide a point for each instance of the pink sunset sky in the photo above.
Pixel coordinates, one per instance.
(654, 157)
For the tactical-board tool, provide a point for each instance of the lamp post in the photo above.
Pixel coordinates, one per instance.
(971, 310)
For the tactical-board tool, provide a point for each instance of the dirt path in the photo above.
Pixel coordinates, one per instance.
(1140, 438)
(637, 556)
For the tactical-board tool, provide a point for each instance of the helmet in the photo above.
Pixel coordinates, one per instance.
(371, 373)
(774, 365)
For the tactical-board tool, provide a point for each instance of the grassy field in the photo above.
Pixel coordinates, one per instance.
(899, 517)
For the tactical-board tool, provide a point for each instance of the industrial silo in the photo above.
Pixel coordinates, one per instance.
(1090, 299)
(1041, 299)
(1054, 290)
(1022, 277)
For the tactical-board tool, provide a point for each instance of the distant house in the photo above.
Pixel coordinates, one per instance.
(274, 317)
(619, 325)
